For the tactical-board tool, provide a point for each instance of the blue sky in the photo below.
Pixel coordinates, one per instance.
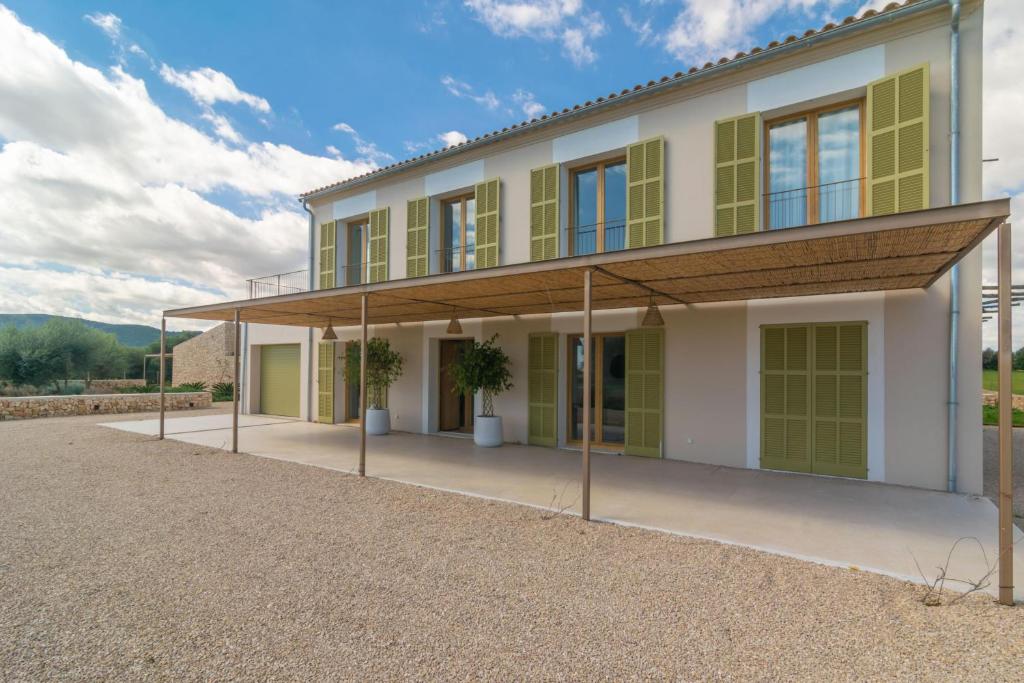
(144, 142)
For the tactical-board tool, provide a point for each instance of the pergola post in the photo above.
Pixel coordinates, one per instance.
(163, 354)
(234, 390)
(586, 394)
(1005, 420)
(363, 353)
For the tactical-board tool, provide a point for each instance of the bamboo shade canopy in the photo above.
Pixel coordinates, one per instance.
(899, 251)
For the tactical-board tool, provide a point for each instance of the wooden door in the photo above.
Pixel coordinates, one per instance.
(456, 410)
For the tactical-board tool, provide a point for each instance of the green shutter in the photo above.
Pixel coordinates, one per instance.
(328, 254)
(839, 439)
(645, 193)
(488, 223)
(417, 236)
(645, 391)
(544, 214)
(542, 389)
(898, 146)
(325, 382)
(785, 397)
(377, 242)
(737, 165)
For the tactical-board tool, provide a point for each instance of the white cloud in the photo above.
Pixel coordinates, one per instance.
(545, 21)
(452, 138)
(464, 90)
(527, 101)
(364, 148)
(98, 180)
(108, 23)
(208, 86)
(643, 29)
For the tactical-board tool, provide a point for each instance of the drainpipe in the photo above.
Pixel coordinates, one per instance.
(309, 345)
(954, 274)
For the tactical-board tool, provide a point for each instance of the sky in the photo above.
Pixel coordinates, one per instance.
(151, 152)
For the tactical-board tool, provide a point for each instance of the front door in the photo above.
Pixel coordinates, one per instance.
(456, 410)
(607, 390)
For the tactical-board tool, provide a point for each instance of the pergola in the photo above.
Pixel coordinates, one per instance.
(881, 253)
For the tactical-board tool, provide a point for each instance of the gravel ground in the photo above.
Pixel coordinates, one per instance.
(991, 464)
(124, 558)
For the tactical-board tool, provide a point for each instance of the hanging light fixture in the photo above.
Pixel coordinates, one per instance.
(454, 326)
(329, 334)
(652, 318)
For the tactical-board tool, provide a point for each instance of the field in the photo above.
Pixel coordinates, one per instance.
(990, 381)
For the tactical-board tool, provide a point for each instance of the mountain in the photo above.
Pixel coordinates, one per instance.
(129, 335)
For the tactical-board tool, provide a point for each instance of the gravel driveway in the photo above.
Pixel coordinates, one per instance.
(124, 558)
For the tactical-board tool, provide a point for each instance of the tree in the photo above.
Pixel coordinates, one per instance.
(989, 359)
(1018, 359)
(482, 367)
(383, 368)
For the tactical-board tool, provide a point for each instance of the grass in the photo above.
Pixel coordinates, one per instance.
(990, 416)
(990, 381)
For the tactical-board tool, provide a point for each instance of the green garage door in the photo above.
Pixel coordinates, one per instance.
(279, 379)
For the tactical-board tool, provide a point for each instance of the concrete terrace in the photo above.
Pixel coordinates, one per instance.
(873, 527)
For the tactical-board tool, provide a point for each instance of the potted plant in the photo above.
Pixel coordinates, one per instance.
(484, 367)
(383, 368)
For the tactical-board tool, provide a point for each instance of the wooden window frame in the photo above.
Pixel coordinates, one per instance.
(598, 166)
(461, 199)
(598, 393)
(364, 222)
(812, 116)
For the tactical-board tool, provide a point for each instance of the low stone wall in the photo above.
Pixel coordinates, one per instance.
(105, 386)
(991, 398)
(24, 407)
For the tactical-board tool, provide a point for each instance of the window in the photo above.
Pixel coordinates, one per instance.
(458, 234)
(356, 252)
(607, 389)
(815, 167)
(597, 220)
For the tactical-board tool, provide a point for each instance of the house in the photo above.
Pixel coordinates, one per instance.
(794, 215)
(208, 357)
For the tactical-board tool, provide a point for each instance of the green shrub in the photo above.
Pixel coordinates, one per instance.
(191, 386)
(482, 367)
(223, 391)
(383, 368)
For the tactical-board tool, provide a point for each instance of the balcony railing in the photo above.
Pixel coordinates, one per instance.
(457, 259)
(351, 274)
(584, 239)
(281, 283)
(825, 203)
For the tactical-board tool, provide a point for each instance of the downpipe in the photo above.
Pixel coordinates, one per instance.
(309, 341)
(954, 274)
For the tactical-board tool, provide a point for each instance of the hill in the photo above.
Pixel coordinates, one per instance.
(128, 335)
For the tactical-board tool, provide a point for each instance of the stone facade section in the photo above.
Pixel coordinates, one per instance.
(207, 358)
(26, 407)
(991, 398)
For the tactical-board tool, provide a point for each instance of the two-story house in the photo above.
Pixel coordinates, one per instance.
(769, 241)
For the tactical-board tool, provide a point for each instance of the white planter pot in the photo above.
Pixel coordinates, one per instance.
(487, 431)
(378, 421)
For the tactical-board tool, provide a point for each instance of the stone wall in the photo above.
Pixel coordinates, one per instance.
(207, 358)
(991, 398)
(105, 386)
(24, 407)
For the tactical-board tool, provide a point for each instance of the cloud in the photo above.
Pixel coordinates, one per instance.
(544, 21)
(448, 139)
(643, 29)
(528, 103)
(108, 23)
(452, 138)
(364, 148)
(98, 180)
(208, 86)
(464, 90)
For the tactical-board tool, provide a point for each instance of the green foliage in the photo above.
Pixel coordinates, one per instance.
(990, 381)
(990, 416)
(989, 359)
(223, 391)
(482, 367)
(383, 368)
(192, 386)
(155, 388)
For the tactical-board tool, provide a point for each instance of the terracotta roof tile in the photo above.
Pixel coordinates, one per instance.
(625, 91)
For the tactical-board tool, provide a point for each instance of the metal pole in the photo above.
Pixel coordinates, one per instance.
(586, 394)
(234, 391)
(363, 353)
(1005, 421)
(163, 354)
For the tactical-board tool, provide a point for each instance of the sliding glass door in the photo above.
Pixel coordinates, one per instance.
(608, 389)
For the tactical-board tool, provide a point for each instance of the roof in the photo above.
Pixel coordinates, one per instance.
(879, 253)
(829, 30)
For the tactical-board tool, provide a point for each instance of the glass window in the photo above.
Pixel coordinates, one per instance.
(598, 221)
(814, 168)
(607, 389)
(458, 234)
(838, 162)
(356, 257)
